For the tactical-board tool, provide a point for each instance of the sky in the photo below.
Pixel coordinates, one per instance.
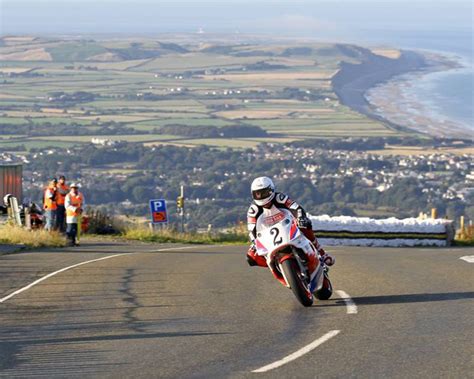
(317, 18)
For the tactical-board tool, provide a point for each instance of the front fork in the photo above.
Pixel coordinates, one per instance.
(278, 273)
(303, 269)
(314, 282)
(317, 280)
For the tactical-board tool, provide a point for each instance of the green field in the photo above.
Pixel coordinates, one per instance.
(128, 138)
(145, 86)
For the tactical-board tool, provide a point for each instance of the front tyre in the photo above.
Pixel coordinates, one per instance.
(291, 271)
(326, 290)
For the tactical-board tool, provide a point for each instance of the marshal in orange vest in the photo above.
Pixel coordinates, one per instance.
(50, 196)
(74, 203)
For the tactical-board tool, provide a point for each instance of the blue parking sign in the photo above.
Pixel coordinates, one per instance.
(159, 214)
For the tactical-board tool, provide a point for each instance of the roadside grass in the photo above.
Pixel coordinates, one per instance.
(466, 243)
(31, 238)
(172, 236)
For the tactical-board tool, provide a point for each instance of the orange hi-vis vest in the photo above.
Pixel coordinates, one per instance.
(75, 201)
(50, 199)
(60, 197)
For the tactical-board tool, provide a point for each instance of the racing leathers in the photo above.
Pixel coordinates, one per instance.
(304, 223)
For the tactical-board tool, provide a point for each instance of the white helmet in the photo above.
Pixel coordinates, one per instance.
(263, 190)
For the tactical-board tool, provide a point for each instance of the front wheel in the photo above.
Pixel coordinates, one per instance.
(291, 271)
(326, 290)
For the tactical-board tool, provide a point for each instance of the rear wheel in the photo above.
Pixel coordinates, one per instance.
(326, 291)
(291, 270)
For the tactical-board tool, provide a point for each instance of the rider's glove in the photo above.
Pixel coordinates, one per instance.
(303, 222)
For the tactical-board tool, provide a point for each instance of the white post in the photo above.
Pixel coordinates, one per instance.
(182, 209)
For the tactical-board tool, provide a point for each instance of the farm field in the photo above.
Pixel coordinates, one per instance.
(68, 91)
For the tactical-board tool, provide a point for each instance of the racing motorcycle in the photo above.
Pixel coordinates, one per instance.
(284, 247)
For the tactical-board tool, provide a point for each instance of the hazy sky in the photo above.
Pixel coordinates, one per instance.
(316, 18)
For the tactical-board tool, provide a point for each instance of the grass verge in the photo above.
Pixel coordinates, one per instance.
(172, 236)
(31, 238)
(465, 243)
(465, 237)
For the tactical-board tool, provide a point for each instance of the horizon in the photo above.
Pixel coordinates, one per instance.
(343, 20)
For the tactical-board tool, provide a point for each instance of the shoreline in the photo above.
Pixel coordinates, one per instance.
(397, 101)
(376, 87)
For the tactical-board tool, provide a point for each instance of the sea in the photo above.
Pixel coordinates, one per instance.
(448, 96)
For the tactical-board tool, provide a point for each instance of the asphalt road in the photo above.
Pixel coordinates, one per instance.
(202, 312)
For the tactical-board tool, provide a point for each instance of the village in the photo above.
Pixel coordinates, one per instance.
(337, 182)
(433, 171)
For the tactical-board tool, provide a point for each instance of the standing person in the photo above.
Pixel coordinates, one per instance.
(62, 191)
(49, 204)
(74, 203)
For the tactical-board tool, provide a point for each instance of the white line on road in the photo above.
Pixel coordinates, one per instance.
(297, 354)
(468, 258)
(350, 305)
(43, 278)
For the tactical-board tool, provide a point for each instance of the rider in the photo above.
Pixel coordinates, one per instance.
(264, 196)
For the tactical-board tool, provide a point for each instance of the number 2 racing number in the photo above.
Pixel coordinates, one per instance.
(276, 232)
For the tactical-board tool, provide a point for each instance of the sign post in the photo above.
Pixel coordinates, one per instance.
(159, 213)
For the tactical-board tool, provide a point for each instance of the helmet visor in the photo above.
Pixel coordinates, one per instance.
(262, 194)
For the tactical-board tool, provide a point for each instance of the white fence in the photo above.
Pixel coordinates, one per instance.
(364, 231)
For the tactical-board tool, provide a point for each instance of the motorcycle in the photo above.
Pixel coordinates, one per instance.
(285, 249)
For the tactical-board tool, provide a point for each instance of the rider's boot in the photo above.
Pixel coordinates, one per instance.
(255, 260)
(328, 259)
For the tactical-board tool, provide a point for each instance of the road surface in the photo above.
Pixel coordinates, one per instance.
(170, 311)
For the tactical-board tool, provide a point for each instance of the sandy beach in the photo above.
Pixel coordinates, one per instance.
(396, 102)
(381, 90)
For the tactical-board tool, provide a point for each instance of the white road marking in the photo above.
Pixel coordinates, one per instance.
(297, 354)
(43, 278)
(350, 305)
(468, 258)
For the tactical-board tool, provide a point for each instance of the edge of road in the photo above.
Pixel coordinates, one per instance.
(10, 249)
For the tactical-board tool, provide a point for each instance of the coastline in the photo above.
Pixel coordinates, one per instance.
(379, 88)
